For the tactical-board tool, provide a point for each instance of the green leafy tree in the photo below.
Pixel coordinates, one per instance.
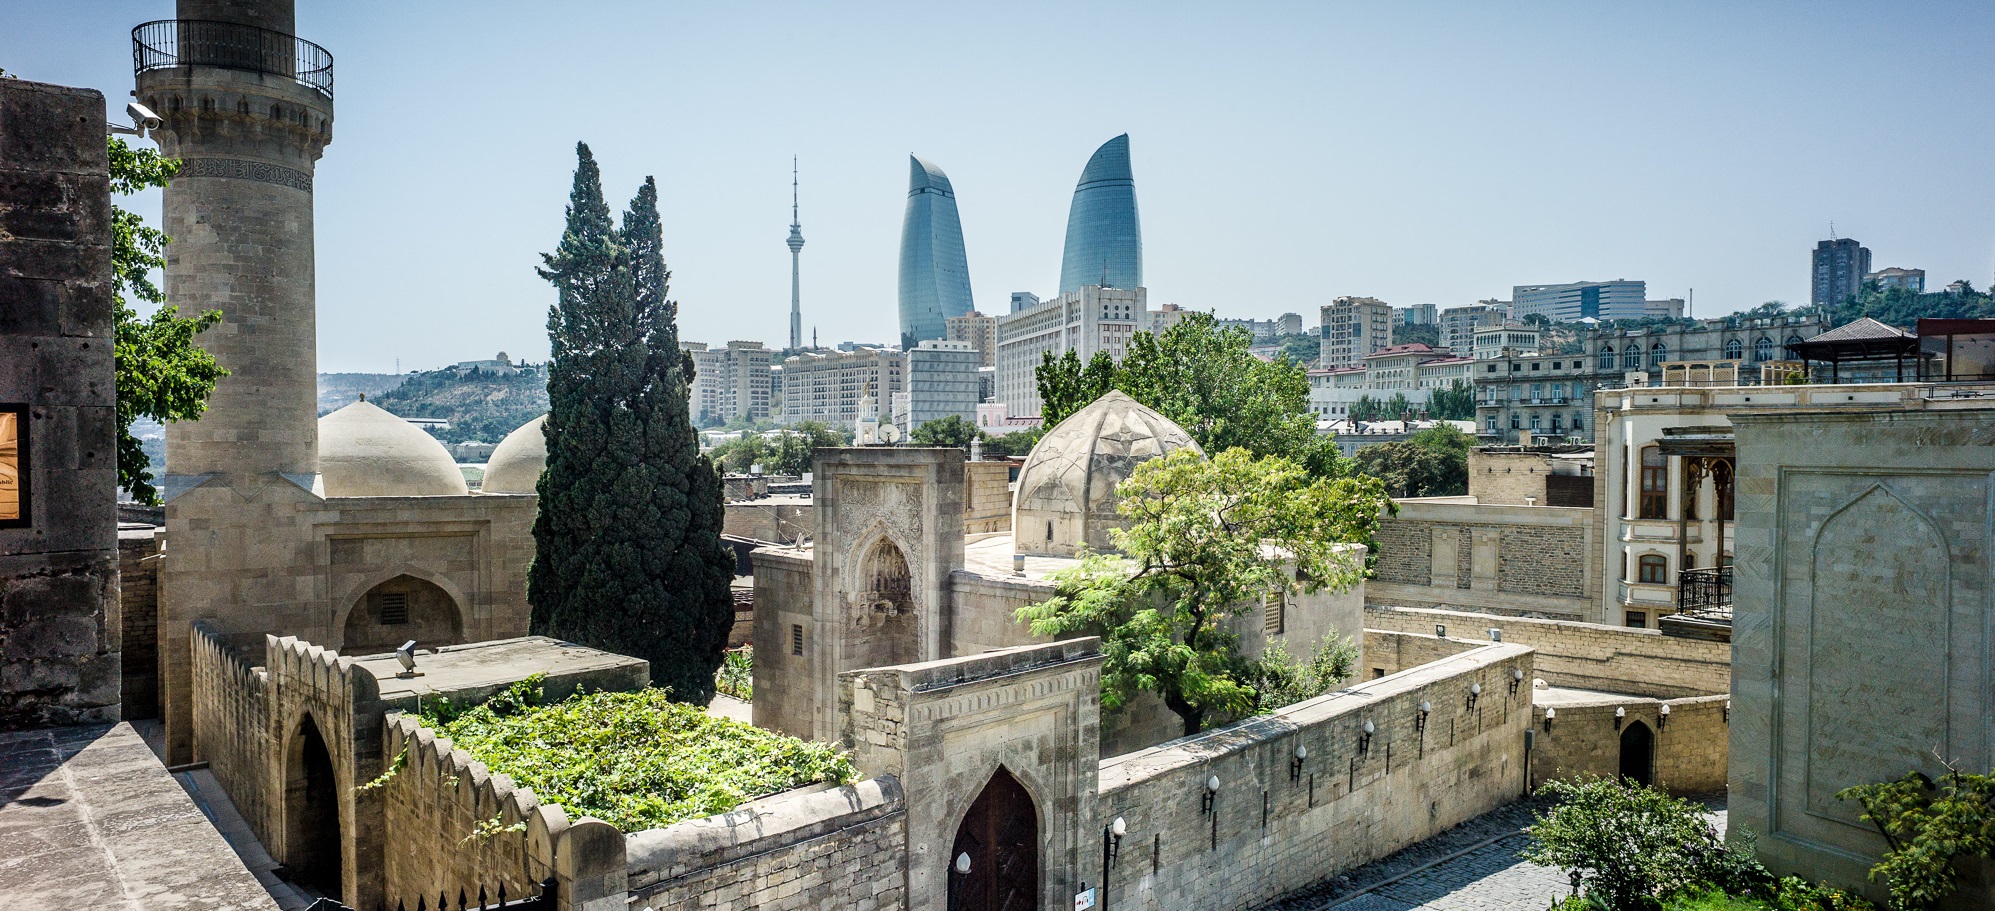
(788, 451)
(162, 374)
(1016, 443)
(1928, 826)
(1205, 541)
(1280, 679)
(1066, 385)
(629, 553)
(1632, 845)
(951, 430)
(1455, 403)
(1431, 463)
(1304, 348)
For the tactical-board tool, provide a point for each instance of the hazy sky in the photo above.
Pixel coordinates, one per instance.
(1284, 154)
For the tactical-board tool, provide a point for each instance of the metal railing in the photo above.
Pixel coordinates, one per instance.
(1704, 589)
(167, 43)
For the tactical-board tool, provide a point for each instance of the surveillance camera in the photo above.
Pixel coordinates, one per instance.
(142, 116)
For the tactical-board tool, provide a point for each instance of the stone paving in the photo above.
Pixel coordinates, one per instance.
(90, 819)
(1472, 867)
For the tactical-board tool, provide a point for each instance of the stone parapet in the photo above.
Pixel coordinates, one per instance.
(1585, 655)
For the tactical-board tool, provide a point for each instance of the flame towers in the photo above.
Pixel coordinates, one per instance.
(935, 272)
(1104, 237)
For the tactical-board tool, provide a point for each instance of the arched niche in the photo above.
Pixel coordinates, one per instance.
(883, 614)
(398, 610)
(312, 836)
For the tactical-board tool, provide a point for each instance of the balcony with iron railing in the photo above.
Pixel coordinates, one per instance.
(168, 43)
(1708, 589)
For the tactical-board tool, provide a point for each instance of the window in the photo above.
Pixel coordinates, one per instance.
(1652, 570)
(1537, 422)
(14, 494)
(1578, 423)
(1555, 424)
(796, 639)
(1558, 365)
(1274, 613)
(1763, 350)
(1537, 365)
(394, 608)
(1492, 423)
(1637, 620)
(1490, 369)
(1516, 422)
(1655, 484)
(1658, 353)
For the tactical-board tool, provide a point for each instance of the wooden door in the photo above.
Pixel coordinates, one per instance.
(1000, 838)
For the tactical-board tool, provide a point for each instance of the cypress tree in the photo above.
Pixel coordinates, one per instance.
(629, 553)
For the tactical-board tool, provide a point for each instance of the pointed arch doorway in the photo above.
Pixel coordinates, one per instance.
(311, 812)
(994, 862)
(1638, 753)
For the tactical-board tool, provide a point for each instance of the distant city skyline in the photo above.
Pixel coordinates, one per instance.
(1291, 153)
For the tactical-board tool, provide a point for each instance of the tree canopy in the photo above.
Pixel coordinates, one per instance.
(785, 451)
(629, 557)
(951, 430)
(1431, 463)
(1205, 540)
(161, 373)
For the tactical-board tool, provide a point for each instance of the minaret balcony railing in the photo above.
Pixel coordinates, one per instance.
(168, 43)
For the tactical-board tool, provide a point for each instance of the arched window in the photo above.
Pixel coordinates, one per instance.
(1655, 484)
(1652, 570)
(1658, 353)
(1763, 350)
(1734, 350)
(1793, 340)
(398, 610)
(1607, 356)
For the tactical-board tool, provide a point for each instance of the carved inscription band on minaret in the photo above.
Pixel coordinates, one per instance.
(240, 169)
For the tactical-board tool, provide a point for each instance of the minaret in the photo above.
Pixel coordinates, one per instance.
(796, 248)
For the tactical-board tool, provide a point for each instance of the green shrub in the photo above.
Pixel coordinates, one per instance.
(1927, 825)
(1280, 679)
(736, 676)
(634, 760)
(1795, 894)
(1634, 845)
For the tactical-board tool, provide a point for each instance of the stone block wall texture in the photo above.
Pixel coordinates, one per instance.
(450, 824)
(785, 682)
(1862, 615)
(138, 621)
(1389, 652)
(986, 497)
(1454, 553)
(1588, 656)
(1688, 752)
(232, 725)
(59, 625)
(823, 848)
(1508, 478)
(767, 521)
(1275, 826)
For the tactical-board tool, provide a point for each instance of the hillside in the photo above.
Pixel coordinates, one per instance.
(338, 390)
(478, 405)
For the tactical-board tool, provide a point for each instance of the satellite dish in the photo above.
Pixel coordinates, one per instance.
(889, 434)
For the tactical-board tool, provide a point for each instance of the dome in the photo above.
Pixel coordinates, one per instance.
(1066, 491)
(367, 452)
(518, 460)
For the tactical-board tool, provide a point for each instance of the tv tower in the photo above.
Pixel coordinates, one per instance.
(796, 250)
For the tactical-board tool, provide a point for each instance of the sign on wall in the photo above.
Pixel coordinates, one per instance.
(13, 466)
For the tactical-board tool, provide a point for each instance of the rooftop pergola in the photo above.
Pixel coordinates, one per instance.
(1865, 340)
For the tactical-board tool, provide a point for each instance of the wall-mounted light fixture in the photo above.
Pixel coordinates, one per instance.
(1495, 634)
(1662, 717)
(963, 863)
(1620, 715)
(1295, 762)
(1440, 631)
(1365, 738)
(1475, 692)
(1550, 713)
(1516, 677)
(1211, 794)
(1420, 724)
(1728, 711)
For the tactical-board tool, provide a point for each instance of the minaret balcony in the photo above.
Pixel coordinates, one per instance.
(168, 43)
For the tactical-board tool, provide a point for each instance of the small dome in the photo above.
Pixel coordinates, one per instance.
(516, 463)
(1066, 491)
(367, 452)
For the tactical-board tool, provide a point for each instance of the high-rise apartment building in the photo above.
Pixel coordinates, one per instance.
(826, 386)
(1840, 264)
(1023, 300)
(1497, 341)
(1458, 325)
(980, 331)
(941, 381)
(1418, 315)
(1085, 321)
(731, 382)
(1574, 301)
(1266, 330)
(935, 272)
(1104, 236)
(1893, 277)
(1353, 327)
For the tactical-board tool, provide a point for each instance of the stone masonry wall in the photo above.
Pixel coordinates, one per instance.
(1390, 652)
(986, 497)
(59, 635)
(232, 726)
(138, 615)
(1689, 750)
(1276, 825)
(1542, 561)
(1455, 553)
(450, 824)
(821, 848)
(1586, 655)
(784, 682)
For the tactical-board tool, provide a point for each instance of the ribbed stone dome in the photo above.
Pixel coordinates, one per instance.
(1066, 491)
(518, 460)
(367, 452)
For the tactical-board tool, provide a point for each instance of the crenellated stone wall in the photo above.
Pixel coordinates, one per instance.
(452, 825)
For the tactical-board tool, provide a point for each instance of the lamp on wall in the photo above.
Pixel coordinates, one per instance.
(1295, 762)
(1550, 713)
(1440, 631)
(1662, 717)
(1420, 724)
(1495, 634)
(1620, 713)
(1728, 711)
(1516, 677)
(1211, 794)
(963, 863)
(1111, 845)
(1475, 692)
(1365, 738)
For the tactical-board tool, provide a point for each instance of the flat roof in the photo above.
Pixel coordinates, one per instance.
(500, 662)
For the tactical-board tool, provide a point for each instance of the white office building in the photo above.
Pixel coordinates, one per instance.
(1084, 322)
